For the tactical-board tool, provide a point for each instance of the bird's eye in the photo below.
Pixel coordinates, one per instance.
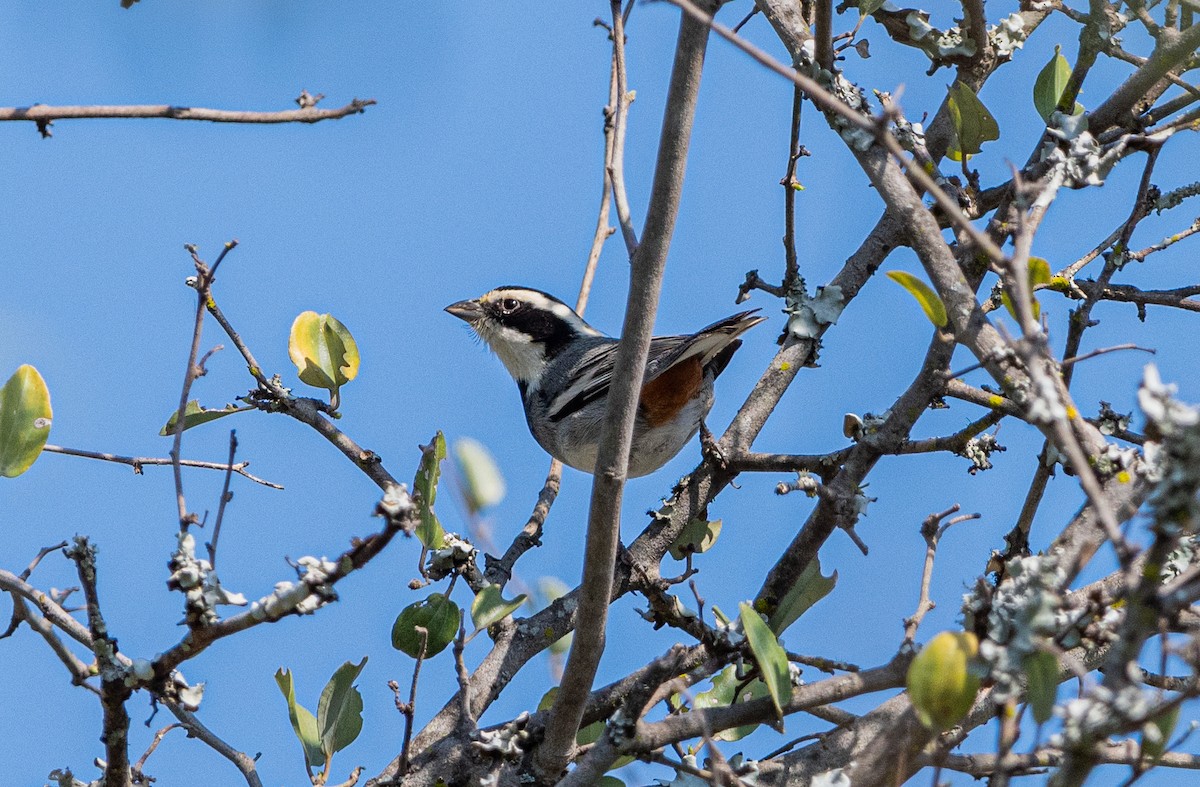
(509, 305)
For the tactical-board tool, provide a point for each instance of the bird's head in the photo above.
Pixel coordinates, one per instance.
(525, 328)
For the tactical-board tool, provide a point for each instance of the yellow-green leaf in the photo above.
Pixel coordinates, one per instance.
(973, 124)
(930, 303)
(809, 588)
(697, 536)
(194, 415)
(304, 724)
(323, 350)
(483, 483)
(425, 485)
(25, 417)
(490, 606)
(769, 655)
(1156, 734)
(1050, 83)
(1039, 274)
(725, 692)
(941, 685)
(867, 7)
(1041, 684)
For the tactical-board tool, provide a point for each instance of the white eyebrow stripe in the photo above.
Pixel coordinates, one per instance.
(540, 301)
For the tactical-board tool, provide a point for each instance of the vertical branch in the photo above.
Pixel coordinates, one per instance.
(791, 271)
(203, 284)
(226, 496)
(648, 264)
(113, 691)
(616, 161)
(823, 10)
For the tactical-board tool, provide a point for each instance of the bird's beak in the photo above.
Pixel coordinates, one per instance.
(466, 310)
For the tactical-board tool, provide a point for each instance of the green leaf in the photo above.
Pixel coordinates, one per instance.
(940, 682)
(437, 614)
(868, 7)
(1039, 274)
(769, 655)
(809, 588)
(425, 485)
(697, 536)
(1041, 684)
(725, 692)
(339, 713)
(194, 415)
(973, 124)
(25, 417)
(490, 606)
(1050, 83)
(930, 303)
(483, 483)
(1156, 733)
(304, 724)
(323, 350)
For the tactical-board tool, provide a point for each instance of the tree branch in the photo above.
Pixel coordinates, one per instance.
(648, 264)
(43, 115)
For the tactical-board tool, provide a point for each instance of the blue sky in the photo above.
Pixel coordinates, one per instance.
(480, 166)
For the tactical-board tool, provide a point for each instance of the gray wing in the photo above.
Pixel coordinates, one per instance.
(594, 372)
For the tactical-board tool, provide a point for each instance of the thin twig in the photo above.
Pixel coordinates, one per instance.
(138, 462)
(158, 737)
(1104, 350)
(410, 709)
(226, 496)
(616, 163)
(202, 282)
(43, 115)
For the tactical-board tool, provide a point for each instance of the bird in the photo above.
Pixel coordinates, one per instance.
(563, 368)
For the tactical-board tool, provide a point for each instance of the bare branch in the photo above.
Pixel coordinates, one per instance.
(138, 462)
(43, 115)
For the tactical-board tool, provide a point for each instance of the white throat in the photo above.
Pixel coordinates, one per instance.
(523, 358)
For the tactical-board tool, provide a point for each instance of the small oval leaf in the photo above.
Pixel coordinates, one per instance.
(697, 536)
(304, 724)
(490, 606)
(25, 417)
(438, 615)
(323, 350)
(425, 486)
(769, 655)
(941, 685)
(483, 483)
(930, 303)
(1050, 83)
